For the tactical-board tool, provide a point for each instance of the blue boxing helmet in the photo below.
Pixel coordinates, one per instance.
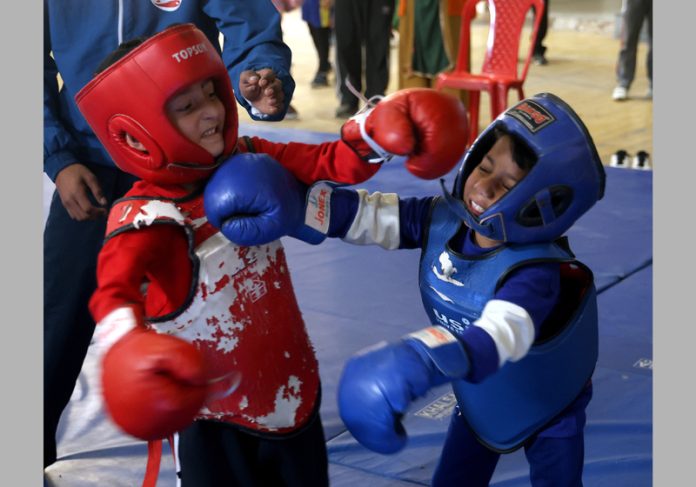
(566, 181)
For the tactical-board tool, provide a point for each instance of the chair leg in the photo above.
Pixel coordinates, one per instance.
(474, 97)
(494, 102)
(498, 100)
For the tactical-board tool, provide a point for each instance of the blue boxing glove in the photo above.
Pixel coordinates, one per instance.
(254, 200)
(378, 384)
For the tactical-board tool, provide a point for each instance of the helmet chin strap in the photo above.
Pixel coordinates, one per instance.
(455, 204)
(200, 167)
(491, 227)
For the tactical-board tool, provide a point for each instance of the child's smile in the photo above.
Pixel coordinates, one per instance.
(199, 115)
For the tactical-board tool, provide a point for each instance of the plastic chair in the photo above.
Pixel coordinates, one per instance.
(499, 72)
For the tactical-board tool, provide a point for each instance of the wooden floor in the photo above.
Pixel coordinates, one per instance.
(582, 53)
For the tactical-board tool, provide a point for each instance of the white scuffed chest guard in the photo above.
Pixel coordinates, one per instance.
(243, 315)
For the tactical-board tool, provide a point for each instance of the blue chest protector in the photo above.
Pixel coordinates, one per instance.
(511, 405)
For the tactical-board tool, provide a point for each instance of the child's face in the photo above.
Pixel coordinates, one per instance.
(495, 175)
(199, 115)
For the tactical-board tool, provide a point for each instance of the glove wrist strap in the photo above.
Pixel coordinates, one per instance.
(442, 348)
(318, 207)
(382, 155)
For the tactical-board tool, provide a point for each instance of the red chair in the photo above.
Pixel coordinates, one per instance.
(499, 72)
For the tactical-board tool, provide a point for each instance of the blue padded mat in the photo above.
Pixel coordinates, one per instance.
(625, 313)
(618, 434)
(352, 297)
(615, 237)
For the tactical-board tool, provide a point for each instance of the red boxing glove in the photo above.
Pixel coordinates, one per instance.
(429, 127)
(153, 385)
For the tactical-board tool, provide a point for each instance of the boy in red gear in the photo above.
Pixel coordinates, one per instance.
(192, 326)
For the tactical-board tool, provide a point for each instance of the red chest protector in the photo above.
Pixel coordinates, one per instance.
(241, 313)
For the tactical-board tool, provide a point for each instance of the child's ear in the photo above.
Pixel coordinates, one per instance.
(135, 143)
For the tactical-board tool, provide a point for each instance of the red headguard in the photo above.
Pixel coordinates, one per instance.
(130, 96)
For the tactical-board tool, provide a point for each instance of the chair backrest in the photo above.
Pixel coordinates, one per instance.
(507, 18)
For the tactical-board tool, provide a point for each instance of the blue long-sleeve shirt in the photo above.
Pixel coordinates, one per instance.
(79, 34)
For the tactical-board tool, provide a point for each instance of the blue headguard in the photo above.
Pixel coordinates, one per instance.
(566, 181)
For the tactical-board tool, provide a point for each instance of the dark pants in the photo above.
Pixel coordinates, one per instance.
(633, 14)
(556, 455)
(539, 48)
(70, 258)
(321, 36)
(215, 454)
(361, 23)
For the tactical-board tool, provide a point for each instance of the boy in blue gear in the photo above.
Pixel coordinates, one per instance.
(513, 314)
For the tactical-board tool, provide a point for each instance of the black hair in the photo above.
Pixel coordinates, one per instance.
(522, 154)
(122, 49)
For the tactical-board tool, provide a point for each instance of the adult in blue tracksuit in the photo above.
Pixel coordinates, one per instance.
(78, 34)
(513, 314)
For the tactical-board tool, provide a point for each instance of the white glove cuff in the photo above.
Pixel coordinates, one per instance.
(114, 326)
(376, 220)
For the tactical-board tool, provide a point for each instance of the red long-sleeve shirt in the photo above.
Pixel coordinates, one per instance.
(158, 255)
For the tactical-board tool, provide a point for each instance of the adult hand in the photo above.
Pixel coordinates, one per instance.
(263, 90)
(73, 184)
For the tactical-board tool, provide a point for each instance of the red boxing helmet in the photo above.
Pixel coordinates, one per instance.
(130, 96)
